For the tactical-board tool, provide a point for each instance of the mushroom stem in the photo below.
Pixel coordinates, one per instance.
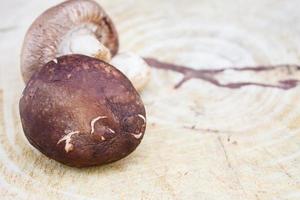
(134, 67)
(83, 41)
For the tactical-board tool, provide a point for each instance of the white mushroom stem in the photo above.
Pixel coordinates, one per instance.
(134, 67)
(83, 41)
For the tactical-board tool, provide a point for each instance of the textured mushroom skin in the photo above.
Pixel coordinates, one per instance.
(46, 32)
(89, 97)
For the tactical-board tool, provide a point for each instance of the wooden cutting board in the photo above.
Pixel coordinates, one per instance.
(203, 140)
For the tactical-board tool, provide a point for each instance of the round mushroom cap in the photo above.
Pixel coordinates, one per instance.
(48, 31)
(82, 112)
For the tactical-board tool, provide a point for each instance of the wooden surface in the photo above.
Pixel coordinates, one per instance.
(202, 141)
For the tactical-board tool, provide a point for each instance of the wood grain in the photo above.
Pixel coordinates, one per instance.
(202, 141)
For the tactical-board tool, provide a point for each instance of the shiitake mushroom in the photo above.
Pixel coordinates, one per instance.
(82, 112)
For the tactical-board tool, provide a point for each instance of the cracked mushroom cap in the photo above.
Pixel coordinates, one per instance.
(82, 112)
(48, 32)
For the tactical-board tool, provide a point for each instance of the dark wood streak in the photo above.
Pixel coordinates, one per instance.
(209, 75)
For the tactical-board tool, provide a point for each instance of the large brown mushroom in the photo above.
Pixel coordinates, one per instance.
(78, 27)
(66, 28)
(82, 112)
(78, 110)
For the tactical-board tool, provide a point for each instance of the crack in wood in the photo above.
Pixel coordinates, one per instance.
(229, 164)
(281, 167)
(224, 151)
(209, 75)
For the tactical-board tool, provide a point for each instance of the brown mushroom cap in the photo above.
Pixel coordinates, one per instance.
(82, 112)
(46, 33)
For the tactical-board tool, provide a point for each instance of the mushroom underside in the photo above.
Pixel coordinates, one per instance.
(50, 31)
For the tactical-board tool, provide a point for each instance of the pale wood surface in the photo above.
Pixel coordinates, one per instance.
(202, 141)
